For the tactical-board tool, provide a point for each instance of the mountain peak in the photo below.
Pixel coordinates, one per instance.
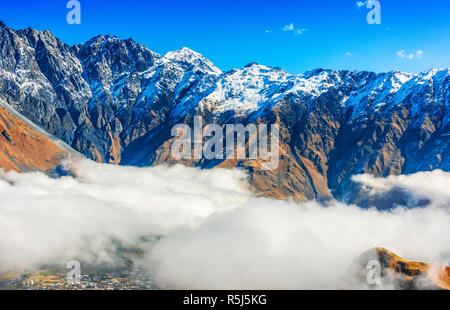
(101, 38)
(184, 55)
(251, 64)
(257, 68)
(189, 51)
(110, 98)
(316, 71)
(191, 57)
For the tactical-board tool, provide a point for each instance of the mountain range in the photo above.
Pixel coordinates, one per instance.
(116, 101)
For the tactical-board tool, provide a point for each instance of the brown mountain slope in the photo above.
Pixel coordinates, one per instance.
(24, 149)
(404, 274)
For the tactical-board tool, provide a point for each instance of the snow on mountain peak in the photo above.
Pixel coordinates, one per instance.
(188, 56)
(396, 88)
(246, 89)
(124, 73)
(255, 86)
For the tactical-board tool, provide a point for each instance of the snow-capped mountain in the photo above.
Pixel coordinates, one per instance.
(115, 101)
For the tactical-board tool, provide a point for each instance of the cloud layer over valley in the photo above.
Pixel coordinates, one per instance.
(214, 232)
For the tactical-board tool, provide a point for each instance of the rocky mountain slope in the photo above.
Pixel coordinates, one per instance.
(398, 273)
(116, 101)
(24, 149)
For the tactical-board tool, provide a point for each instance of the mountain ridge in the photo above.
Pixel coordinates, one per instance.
(115, 101)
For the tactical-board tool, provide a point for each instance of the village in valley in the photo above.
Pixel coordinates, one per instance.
(45, 280)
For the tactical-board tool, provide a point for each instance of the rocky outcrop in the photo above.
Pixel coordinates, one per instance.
(398, 273)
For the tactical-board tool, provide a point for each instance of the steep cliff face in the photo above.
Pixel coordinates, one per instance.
(102, 95)
(335, 125)
(24, 149)
(116, 101)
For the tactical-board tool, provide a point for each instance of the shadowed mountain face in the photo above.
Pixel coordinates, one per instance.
(116, 101)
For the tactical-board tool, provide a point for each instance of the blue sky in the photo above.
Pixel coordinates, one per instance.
(413, 35)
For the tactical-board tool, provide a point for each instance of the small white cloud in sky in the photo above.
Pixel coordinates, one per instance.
(299, 31)
(289, 27)
(348, 54)
(419, 54)
(403, 54)
(360, 4)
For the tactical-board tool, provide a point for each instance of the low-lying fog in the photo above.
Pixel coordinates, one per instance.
(215, 233)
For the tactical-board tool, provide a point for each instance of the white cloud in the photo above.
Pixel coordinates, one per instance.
(300, 31)
(269, 244)
(279, 245)
(348, 54)
(43, 218)
(419, 53)
(403, 54)
(433, 185)
(215, 234)
(291, 28)
(360, 4)
(288, 27)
